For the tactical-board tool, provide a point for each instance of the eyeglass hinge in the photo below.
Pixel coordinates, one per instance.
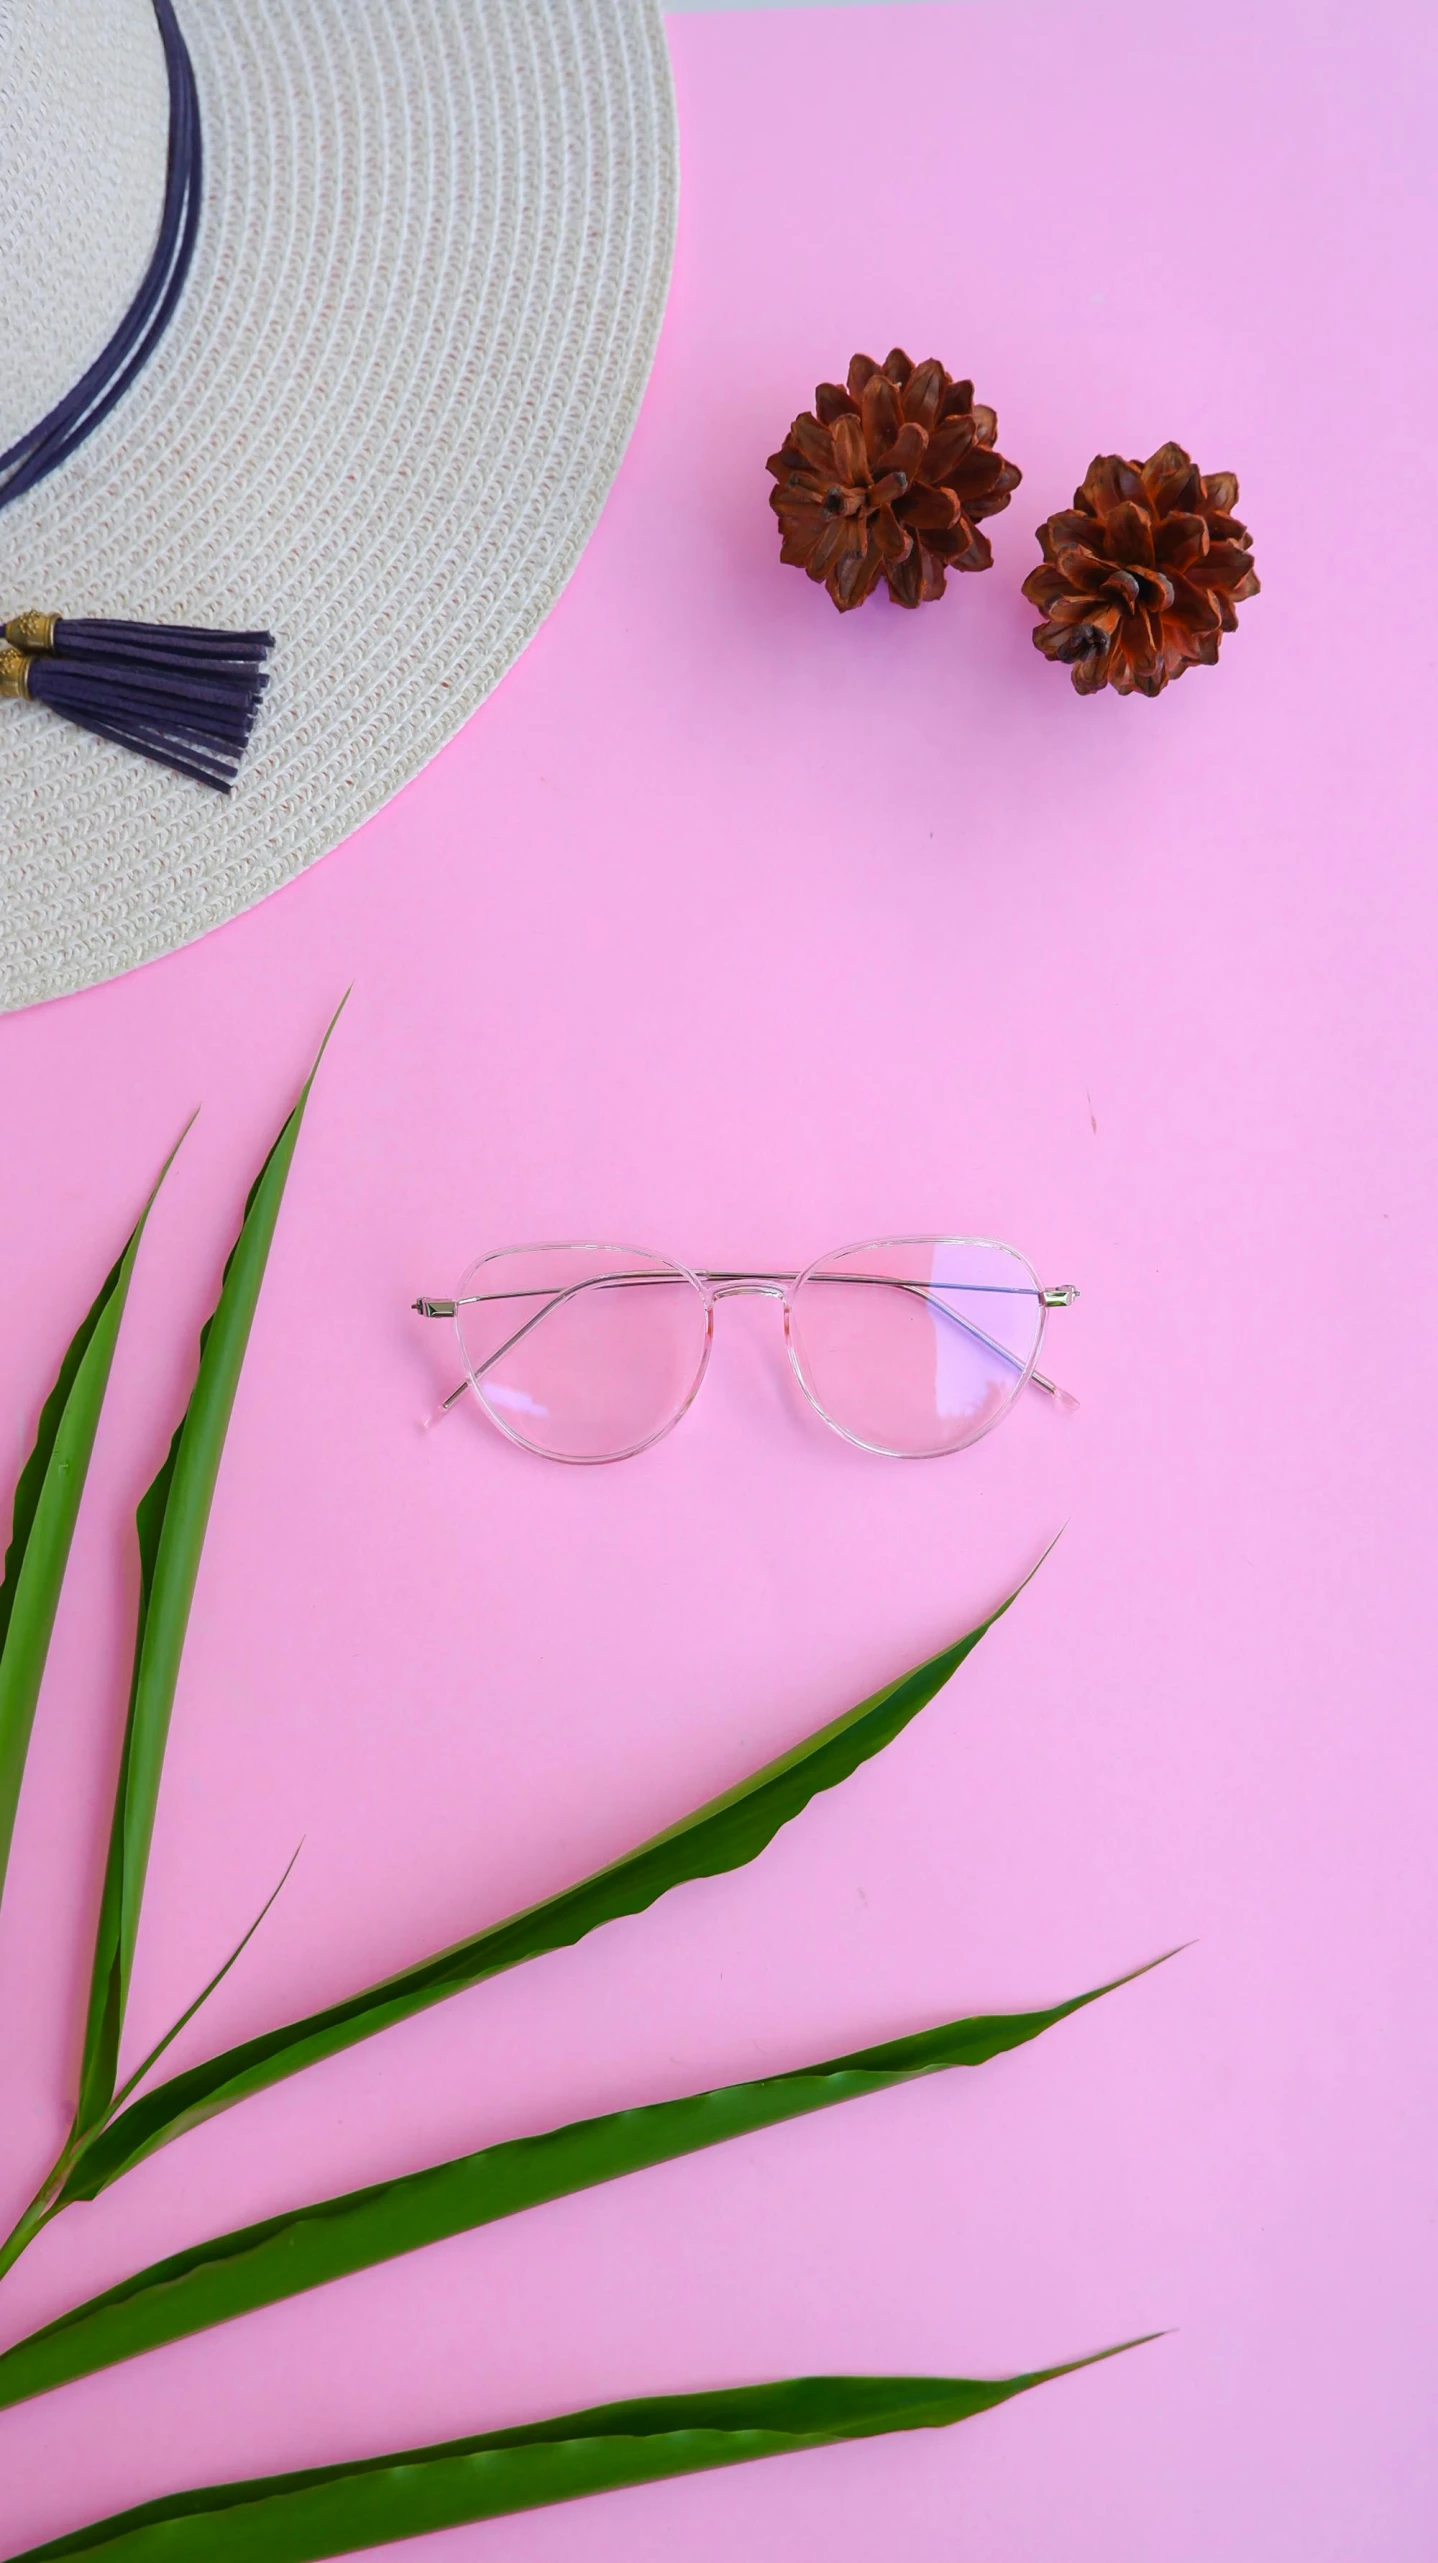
(433, 1307)
(1063, 1297)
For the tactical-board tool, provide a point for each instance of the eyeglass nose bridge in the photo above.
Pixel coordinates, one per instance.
(743, 1285)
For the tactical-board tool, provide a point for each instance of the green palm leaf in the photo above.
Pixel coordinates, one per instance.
(721, 1835)
(345, 2509)
(260, 2264)
(47, 1501)
(172, 1520)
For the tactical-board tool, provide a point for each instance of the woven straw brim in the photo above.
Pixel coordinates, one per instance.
(436, 245)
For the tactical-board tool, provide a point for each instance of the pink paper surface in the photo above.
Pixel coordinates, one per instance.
(742, 929)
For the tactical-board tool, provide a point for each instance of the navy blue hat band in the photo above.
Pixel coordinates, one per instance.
(75, 416)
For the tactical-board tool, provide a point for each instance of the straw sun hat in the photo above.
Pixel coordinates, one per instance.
(433, 245)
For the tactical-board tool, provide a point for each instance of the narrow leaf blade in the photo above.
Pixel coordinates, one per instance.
(172, 1520)
(236, 2273)
(47, 1503)
(147, 2063)
(723, 1834)
(345, 2509)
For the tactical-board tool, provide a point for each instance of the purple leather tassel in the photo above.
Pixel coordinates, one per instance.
(185, 697)
(180, 694)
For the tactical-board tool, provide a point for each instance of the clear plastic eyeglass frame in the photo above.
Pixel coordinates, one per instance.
(910, 1347)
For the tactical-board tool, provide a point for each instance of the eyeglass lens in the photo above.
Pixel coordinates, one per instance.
(582, 1352)
(916, 1345)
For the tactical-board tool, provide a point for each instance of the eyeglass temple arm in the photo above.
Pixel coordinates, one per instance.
(479, 1299)
(1062, 1296)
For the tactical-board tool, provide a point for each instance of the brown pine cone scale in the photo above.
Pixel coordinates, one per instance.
(888, 477)
(1141, 577)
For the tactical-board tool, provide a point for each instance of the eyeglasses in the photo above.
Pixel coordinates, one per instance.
(908, 1346)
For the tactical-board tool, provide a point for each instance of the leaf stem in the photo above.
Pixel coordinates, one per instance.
(44, 2205)
(49, 2198)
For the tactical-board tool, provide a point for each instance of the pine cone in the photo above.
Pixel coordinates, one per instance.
(889, 480)
(1141, 577)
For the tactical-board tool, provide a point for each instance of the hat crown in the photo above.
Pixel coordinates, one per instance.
(84, 110)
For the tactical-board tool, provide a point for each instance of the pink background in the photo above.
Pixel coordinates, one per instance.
(741, 929)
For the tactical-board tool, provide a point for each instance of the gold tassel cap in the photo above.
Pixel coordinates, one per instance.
(32, 630)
